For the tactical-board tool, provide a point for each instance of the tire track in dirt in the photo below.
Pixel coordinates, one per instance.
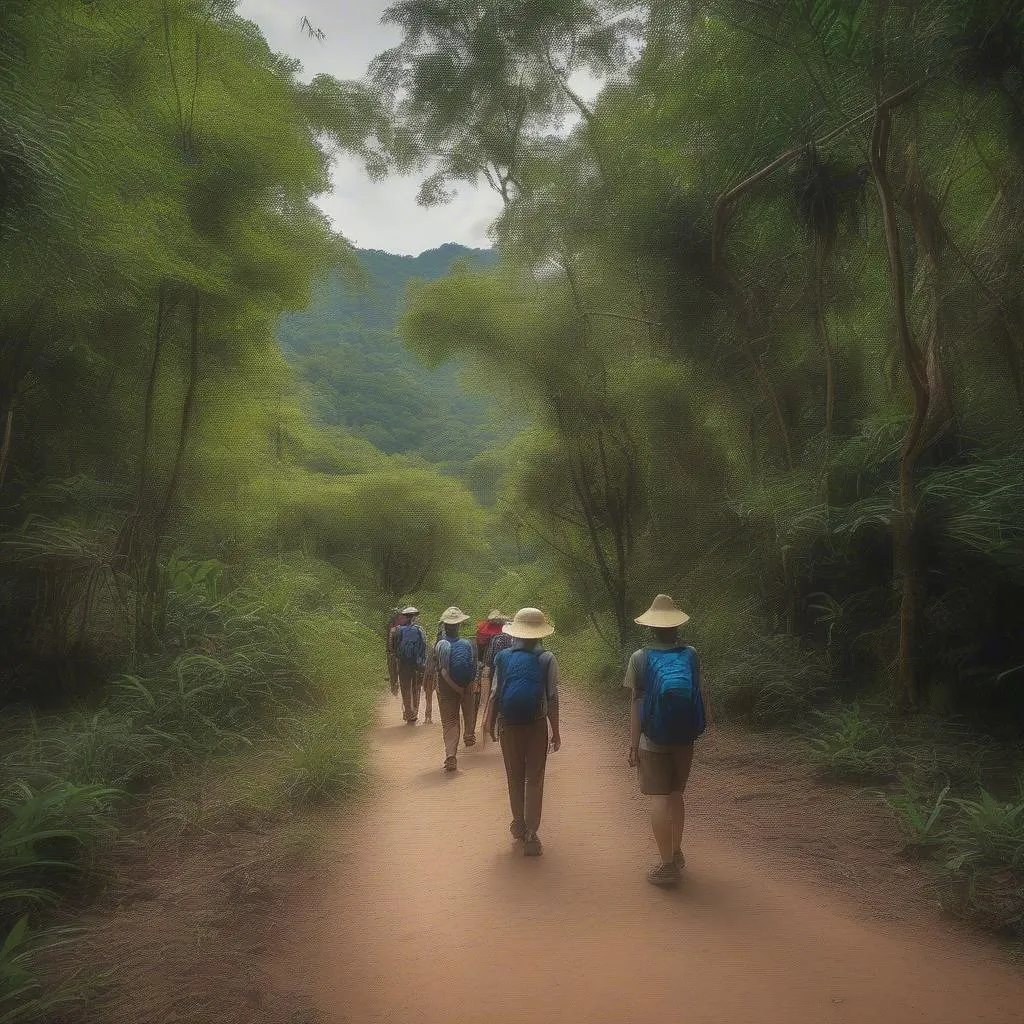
(431, 915)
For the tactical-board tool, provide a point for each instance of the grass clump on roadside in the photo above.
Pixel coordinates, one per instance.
(975, 846)
(853, 747)
(269, 680)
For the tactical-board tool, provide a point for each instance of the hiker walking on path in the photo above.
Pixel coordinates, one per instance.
(411, 652)
(456, 673)
(666, 716)
(395, 619)
(499, 642)
(485, 632)
(430, 678)
(524, 702)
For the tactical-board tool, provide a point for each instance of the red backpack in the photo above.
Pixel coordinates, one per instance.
(485, 633)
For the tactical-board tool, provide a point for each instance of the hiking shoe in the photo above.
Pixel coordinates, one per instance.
(664, 875)
(450, 764)
(679, 860)
(518, 830)
(532, 846)
(470, 741)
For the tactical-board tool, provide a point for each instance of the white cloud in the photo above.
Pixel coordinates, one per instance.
(374, 215)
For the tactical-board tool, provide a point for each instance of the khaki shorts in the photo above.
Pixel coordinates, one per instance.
(661, 774)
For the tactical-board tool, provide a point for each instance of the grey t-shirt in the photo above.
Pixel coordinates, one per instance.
(634, 681)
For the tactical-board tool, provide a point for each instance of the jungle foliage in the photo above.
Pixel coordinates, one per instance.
(189, 568)
(761, 300)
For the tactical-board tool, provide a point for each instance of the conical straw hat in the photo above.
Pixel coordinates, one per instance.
(664, 613)
(529, 624)
(453, 616)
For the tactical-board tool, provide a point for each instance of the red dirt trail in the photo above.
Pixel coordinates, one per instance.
(433, 915)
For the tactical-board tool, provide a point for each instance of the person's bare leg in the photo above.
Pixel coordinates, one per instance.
(677, 806)
(661, 823)
(428, 696)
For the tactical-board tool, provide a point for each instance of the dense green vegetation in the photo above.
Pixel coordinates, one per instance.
(192, 574)
(763, 308)
(760, 316)
(357, 374)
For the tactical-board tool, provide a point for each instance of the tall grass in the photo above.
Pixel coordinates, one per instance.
(273, 676)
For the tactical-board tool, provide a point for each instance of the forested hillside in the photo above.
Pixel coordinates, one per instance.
(357, 374)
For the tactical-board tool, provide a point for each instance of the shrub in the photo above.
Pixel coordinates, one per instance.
(852, 746)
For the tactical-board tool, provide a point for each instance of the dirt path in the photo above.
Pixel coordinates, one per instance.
(431, 915)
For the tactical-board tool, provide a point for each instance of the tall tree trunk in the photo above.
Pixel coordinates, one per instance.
(824, 337)
(5, 445)
(162, 517)
(907, 573)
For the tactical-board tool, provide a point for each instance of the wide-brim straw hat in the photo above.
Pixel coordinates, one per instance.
(410, 611)
(494, 615)
(453, 616)
(529, 624)
(664, 613)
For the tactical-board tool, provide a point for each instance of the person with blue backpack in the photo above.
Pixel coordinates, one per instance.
(411, 655)
(523, 704)
(456, 662)
(666, 717)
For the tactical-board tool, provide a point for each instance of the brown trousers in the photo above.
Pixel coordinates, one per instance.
(410, 678)
(450, 706)
(525, 749)
(470, 709)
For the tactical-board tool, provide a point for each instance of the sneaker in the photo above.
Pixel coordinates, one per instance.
(470, 741)
(679, 860)
(518, 830)
(664, 875)
(450, 764)
(532, 846)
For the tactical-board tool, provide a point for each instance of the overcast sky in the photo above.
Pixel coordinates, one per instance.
(381, 215)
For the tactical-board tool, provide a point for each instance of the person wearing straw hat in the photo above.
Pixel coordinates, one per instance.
(456, 672)
(411, 652)
(485, 632)
(666, 717)
(523, 703)
(499, 642)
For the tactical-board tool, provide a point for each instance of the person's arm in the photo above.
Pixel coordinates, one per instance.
(630, 682)
(552, 695)
(492, 704)
(634, 730)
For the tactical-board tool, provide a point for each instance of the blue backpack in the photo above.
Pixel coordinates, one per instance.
(673, 711)
(523, 697)
(407, 646)
(462, 662)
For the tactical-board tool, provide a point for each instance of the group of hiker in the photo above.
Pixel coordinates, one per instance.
(505, 667)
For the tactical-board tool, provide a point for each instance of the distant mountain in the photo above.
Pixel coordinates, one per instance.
(355, 372)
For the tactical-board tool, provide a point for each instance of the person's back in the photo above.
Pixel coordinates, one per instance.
(456, 673)
(523, 705)
(411, 656)
(666, 717)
